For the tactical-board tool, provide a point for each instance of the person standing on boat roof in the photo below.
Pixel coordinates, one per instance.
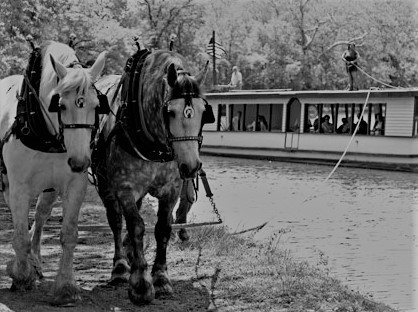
(350, 57)
(236, 79)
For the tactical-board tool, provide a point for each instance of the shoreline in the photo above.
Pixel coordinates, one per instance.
(214, 271)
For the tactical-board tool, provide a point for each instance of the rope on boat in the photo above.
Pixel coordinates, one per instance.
(314, 195)
(351, 139)
(361, 116)
(375, 79)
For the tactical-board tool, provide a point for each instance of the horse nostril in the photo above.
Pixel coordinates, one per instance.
(184, 170)
(78, 166)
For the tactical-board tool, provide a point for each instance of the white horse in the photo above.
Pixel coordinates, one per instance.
(29, 172)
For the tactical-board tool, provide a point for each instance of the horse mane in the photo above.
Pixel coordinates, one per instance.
(154, 74)
(155, 87)
(185, 84)
(78, 77)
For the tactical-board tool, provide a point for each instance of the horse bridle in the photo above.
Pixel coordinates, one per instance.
(188, 112)
(55, 106)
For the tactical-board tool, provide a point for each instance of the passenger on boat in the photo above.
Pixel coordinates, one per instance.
(259, 125)
(327, 127)
(316, 124)
(350, 57)
(345, 127)
(378, 127)
(236, 122)
(363, 125)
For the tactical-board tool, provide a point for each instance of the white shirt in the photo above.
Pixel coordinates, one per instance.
(236, 79)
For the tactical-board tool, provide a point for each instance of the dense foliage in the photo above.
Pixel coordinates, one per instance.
(276, 43)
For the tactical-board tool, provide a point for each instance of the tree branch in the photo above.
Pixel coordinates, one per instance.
(345, 42)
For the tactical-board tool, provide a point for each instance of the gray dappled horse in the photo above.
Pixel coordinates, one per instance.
(47, 165)
(169, 103)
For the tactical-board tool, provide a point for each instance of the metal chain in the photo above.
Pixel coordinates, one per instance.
(209, 194)
(215, 210)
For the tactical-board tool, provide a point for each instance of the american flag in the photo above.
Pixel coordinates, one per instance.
(219, 49)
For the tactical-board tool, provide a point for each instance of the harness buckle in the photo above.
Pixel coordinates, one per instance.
(25, 129)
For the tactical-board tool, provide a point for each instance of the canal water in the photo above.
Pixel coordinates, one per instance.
(361, 223)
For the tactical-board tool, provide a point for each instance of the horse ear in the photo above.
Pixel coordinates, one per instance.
(97, 68)
(59, 69)
(172, 75)
(200, 77)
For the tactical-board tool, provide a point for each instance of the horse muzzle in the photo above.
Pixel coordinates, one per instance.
(188, 172)
(78, 166)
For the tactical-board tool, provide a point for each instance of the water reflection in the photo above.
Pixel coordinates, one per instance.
(361, 220)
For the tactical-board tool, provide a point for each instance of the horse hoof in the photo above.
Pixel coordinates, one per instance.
(120, 273)
(183, 235)
(141, 290)
(22, 286)
(162, 284)
(66, 296)
(141, 298)
(23, 279)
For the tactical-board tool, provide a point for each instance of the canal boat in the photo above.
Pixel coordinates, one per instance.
(317, 126)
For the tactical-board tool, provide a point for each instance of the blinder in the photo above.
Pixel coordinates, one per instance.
(54, 105)
(208, 116)
(102, 109)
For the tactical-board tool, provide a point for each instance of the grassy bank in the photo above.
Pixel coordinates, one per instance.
(243, 275)
(214, 271)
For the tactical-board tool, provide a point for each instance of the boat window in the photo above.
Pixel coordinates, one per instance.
(327, 121)
(223, 122)
(343, 118)
(276, 119)
(293, 115)
(311, 114)
(250, 117)
(415, 130)
(377, 119)
(234, 117)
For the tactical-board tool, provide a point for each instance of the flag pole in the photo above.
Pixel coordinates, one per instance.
(214, 59)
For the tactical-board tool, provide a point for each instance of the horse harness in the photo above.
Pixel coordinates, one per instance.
(30, 124)
(131, 130)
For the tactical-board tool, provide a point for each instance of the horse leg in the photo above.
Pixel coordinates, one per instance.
(22, 269)
(43, 211)
(120, 272)
(162, 234)
(6, 191)
(141, 289)
(66, 292)
(184, 207)
(121, 268)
